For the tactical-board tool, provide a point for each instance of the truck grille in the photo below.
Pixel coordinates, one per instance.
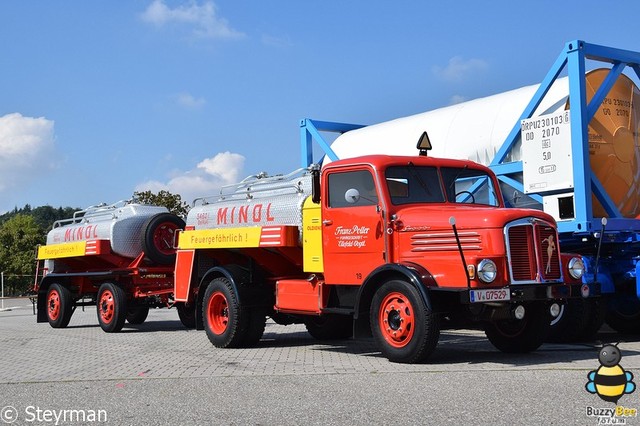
(532, 248)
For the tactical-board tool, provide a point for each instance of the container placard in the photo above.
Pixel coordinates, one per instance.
(546, 153)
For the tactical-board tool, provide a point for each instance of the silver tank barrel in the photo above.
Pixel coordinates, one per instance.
(120, 223)
(257, 201)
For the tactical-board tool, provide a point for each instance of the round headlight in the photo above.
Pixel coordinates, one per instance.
(576, 267)
(487, 270)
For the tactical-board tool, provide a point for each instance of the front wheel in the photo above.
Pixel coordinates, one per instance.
(520, 336)
(405, 330)
(579, 319)
(59, 306)
(112, 307)
(623, 313)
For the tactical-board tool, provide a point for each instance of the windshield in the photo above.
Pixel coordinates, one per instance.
(464, 185)
(420, 184)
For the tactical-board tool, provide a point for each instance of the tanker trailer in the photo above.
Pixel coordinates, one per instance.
(118, 257)
(481, 129)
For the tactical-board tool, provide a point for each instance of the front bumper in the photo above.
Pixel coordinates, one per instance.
(540, 292)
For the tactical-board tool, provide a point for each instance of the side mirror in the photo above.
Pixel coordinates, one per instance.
(352, 196)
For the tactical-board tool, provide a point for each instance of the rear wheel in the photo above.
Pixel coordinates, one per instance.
(520, 336)
(137, 314)
(158, 236)
(255, 328)
(59, 306)
(404, 328)
(187, 314)
(112, 307)
(330, 327)
(224, 320)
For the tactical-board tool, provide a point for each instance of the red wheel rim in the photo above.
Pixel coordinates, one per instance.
(106, 306)
(163, 237)
(396, 320)
(218, 313)
(53, 302)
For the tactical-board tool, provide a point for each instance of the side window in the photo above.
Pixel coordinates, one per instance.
(361, 180)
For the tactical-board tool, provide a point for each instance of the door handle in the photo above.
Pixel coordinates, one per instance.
(327, 222)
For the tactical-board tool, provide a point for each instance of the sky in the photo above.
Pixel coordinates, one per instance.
(103, 98)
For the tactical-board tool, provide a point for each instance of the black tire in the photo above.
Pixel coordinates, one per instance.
(111, 307)
(158, 235)
(137, 314)
(225, 321)
(398, 307)
(59, 306)
(187, 314)
(255, 328)
(623, 313)
(330, 327)
(571, 324)
(521, 336)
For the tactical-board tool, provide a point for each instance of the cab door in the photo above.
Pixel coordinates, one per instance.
(352, 226)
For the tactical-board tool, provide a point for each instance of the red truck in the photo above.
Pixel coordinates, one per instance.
(390, 246)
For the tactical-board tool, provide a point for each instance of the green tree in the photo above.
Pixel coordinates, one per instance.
(19, 237)
(173, 202)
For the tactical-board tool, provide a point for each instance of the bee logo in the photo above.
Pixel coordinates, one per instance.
(610, 381)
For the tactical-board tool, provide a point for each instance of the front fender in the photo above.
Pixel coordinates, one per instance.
(414, 274)
(236, 276)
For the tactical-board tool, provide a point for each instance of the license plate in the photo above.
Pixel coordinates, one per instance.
(489, 295)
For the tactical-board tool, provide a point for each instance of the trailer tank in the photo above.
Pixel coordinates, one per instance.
(125, 224)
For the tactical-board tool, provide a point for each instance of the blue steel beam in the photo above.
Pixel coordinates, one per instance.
(310, 131)
(579, 138)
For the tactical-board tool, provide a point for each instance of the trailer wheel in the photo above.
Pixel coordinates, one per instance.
(330, 327)
(402, 326)
(521, 336)
(59, 306)
(187, 314)
(158, 235)
(224, 319)
(137, 314)
(112, 307)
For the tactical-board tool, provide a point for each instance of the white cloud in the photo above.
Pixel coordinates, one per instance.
(188, 101)
(201, 17)
(206, 179)
(458, 68)
(26, 149)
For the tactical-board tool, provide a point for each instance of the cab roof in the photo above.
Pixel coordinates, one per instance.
(384, 161)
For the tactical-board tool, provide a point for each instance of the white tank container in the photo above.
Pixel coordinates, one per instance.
(476, 129)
